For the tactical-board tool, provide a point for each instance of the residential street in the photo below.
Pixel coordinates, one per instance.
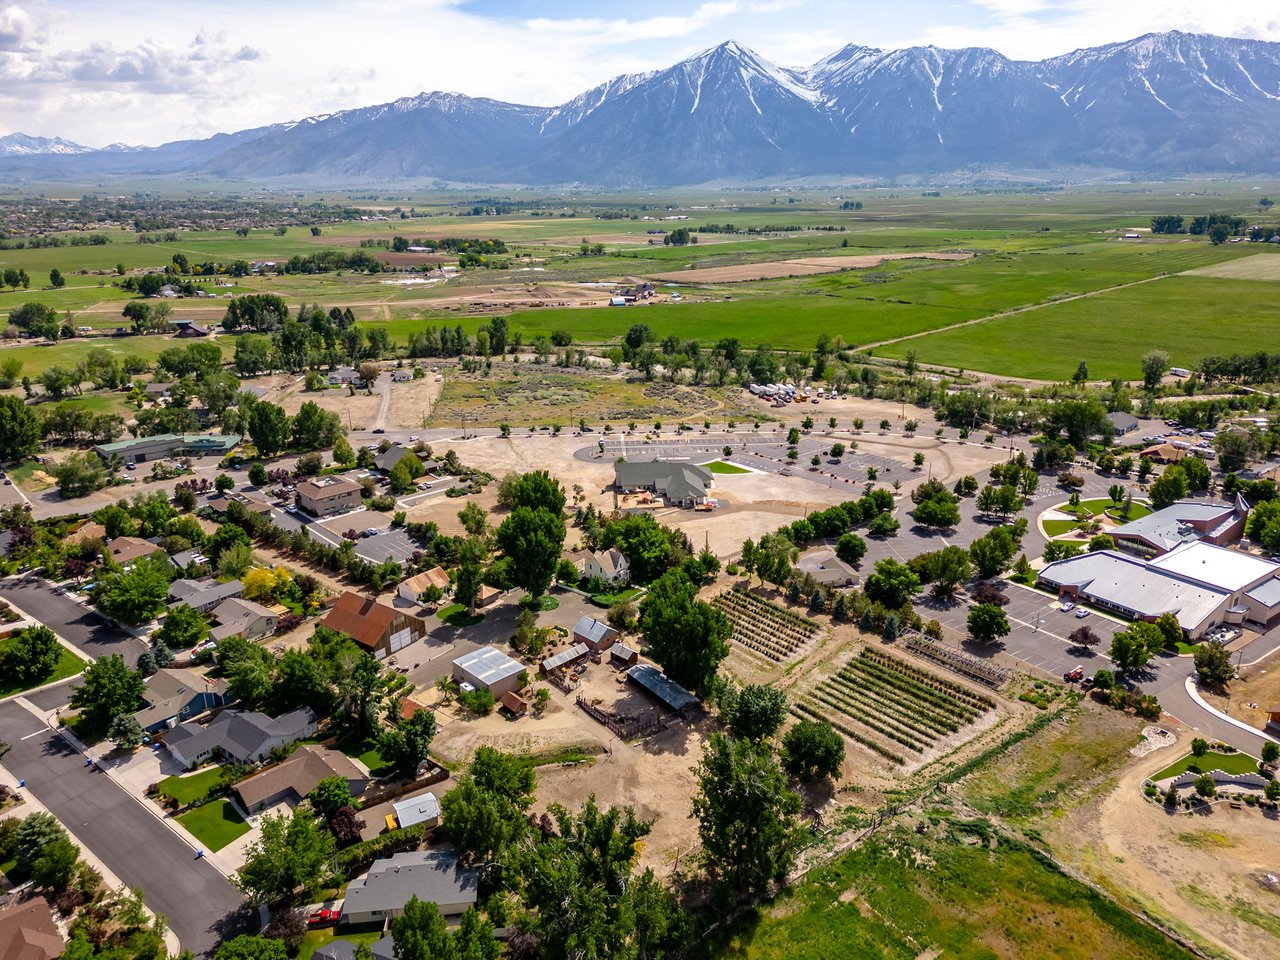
(201, 905)
(75, 623)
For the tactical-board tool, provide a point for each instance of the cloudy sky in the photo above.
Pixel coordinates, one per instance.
(141, 71)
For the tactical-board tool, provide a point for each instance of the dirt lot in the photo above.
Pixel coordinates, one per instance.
(1198, 872)
(795, 268)
(1256, 689)
(411, 401)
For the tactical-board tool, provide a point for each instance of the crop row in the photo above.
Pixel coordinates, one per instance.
(762, 646)
(869, 718)
(745, 600)
(929, 678)
(913, 688)
(893, 700)
(920, 724)
(806, 711)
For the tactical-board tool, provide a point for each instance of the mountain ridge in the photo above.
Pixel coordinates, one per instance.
(1146, 105)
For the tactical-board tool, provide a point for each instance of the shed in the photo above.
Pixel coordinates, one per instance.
(663, 688)
(423, 808)
(489, 669)
(620, 655)
(514, 704)
(596, 635)
(565, 658)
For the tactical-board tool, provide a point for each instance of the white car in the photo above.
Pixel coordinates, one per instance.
(413, 437)
(1081, 613)
(1068, 607)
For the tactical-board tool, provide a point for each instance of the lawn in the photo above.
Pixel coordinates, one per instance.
(191, 787)
(609, 599)
(10, 869)
(68, 666)
(720, 466)
(455, 614)
(367, 752)
(1226, 762)
(214, 824)
(900, 893)
(315, 939)
(1056, 528)
(36, 358)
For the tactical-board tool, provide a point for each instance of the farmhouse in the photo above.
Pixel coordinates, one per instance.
(488, 669)
(608, 565)
(596, 635)
(325, 496)
(290, 781)
(243, 736)
(238, 617)
(1201, 584)
(433, 876)
(1183, 522)
(343, 376)
(174, 695)
(380, 629)
(188, 329)
(679, 484)
(202, 595)
(413, 588)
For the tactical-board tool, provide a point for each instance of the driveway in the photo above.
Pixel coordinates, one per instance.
(201, 905)
(74, 622)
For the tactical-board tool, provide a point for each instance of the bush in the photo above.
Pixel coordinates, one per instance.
(382, 503)
(478, 702)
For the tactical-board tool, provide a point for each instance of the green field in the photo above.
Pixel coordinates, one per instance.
(720, 466)
(1226, 762)
(905, 896)
(37, 358)
(1056, 528)
(214, 824)
(191, 787)
(68, 666)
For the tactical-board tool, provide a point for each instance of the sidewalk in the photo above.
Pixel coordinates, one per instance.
(30, 805)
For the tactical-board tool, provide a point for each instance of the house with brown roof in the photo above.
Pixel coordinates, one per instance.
(290, 781)
(415, 586)
(380, 629)
(326, 496)
(125, 550)
(27, 932)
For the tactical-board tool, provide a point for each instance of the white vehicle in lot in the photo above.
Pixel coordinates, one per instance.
(1081, 613)
(1068, 606)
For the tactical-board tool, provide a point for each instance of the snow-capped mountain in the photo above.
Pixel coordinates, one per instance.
(22, 145)
(1159, 104)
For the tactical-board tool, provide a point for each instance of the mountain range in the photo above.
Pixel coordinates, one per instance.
(1161, 104)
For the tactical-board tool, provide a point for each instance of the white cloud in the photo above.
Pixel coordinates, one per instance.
(18, 29)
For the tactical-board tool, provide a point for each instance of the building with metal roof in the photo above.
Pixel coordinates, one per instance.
(1186, 521)
(433, 876)
(663, 687)
(679, 483)
(488, 669)
(565, 658)
(596, 635)
(423, 808)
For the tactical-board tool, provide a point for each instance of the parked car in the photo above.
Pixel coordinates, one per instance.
(378, 430)
(1068, 606)
(322, 917)
(1081, 613)
(1072, 676)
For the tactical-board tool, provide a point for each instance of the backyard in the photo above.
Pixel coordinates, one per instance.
(68, 666)
(192, 787)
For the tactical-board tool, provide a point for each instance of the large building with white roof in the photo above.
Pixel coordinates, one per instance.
(1201, 584)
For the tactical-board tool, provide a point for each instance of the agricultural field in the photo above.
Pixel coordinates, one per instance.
(892, 707)
(765, 628)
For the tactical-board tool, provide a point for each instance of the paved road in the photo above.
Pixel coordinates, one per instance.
(73, 622)
(201, 905)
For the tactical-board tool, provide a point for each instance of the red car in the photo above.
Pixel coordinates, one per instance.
(322, 917)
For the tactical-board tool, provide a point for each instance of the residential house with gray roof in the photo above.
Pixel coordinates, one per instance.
(238, 617)
(174, 694)
(240, 735)
(203, 595)
(433, 876)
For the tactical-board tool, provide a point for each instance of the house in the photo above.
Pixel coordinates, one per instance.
(488, 669)
(240, 735)
(238, 617)
(608, 565)
(423, 808)
(326, 496)
(340, 949)
(344, 376)
(125, 550)
(202, 595)
(415, 586)
(157, 391)
(1122, 423)
(679, 484)
(663, 688)
(27, 932)
(402, 374)
(174, 695)
(828, 569)
(1164, 453)
(378, 628)
(1186, 521)
(1201, 584)
(387, 459)
(252, 503)
(188, 329)
(433, 876)
(596, 635)
(184, 559)
(288, 782)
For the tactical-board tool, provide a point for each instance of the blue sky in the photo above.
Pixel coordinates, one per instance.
(138, 71)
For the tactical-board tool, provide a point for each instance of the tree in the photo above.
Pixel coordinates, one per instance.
(686, 636)
(1134, 648)
(1213, 663)
(56, 279)
(405, 745)
(1205, 786)
(314, 427)
(108, 689)
(56, 865)
(125, 732)
(987, 623)
(946, 569)
(252, 947)
(223, 482)
(1083, 636)
(329, 796)
(291, 853)
(135, 595)
(268, 428)
(1155, 364)
(484, 813)
(287, 926)
(471, 557)
(892, 583)
(939, 513)
(1199, 747)
(1169, 488)
(37, 831)
(993, 552)
(851, 548)
(746, 813)
(32, 656)
(342, 452)
(345, 825)
(79, 475)
(420, 933)
(1233, 449)
(533, 538)
(1103, 541)
(812, 749)
(19, 429)
(757, 712)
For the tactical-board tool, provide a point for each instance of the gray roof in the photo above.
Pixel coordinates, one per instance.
(592, 630)
(390, 457)
(197, 593)
(185, 558)
(1123, 422)
(341, 949)
(1128, 583)
(170, 689)
(566, 657)
(676, 480)
(429, 875)
(417, 809)
(1167, 528)
(661, 686)
(828, 569)
(236, 615)
(241, 733)
(489, 665)
(1268, 594)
